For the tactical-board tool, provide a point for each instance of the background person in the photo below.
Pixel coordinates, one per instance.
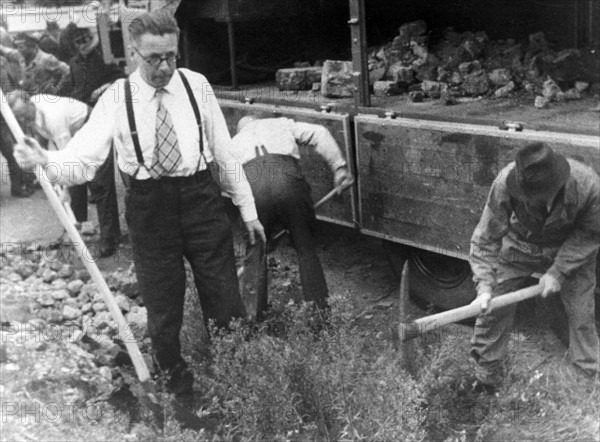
(36, 62)
(541, 216)
(52, 120)
(11, 76)
(269, 152)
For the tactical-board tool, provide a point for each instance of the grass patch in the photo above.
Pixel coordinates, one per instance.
(292, 379)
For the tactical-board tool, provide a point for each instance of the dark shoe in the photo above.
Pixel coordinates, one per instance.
(22, 191)
(181, 381)
(481, 387)
(106, 251)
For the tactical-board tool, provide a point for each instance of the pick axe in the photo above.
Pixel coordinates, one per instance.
(410, 330)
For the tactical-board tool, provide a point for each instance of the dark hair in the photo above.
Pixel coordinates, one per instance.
(159, 22)
(29, 39)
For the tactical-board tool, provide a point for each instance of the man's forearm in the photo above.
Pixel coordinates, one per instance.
(67, 169)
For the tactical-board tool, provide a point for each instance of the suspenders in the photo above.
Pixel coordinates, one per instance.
(133, 128)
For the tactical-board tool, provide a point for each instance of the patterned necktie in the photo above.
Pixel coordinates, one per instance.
(167, 156)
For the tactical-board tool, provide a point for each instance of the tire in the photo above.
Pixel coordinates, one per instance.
(437, 281)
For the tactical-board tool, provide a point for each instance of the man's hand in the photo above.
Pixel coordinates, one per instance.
(30, 154)
(342, 179)
(550, 285)
(254, 227)
(483, 300)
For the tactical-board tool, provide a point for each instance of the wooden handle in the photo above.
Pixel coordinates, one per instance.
(318, 204)
(134, 351)
(422, 325)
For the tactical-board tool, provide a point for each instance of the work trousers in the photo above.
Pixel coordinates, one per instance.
(104, 194)
(169, 219)
(492, 331)
(282, 199)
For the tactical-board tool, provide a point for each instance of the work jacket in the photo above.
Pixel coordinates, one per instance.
(515, 239)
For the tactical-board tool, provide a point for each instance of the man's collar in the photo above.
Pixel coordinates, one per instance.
(147, 92)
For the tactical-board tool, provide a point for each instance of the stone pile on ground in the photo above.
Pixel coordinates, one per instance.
(43, 291)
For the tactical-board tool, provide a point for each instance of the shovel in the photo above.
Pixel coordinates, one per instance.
(410, 330)
(253, 305)
(147, 396)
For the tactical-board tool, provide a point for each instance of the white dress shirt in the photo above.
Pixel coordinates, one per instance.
(108, 125)
(282, 136)
(57, 119)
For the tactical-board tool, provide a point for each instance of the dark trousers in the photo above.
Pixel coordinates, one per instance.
(492, 332)
(282, 199)
(104, 194)
(173, 218)
(18, 177)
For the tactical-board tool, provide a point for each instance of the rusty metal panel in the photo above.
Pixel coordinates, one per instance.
(424, 183)
(340, 209)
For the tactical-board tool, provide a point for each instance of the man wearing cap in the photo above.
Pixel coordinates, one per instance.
(40, 65)
(541, 216)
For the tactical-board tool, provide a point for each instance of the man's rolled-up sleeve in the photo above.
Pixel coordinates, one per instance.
(322, 141)
(231, 173)
(83, 155)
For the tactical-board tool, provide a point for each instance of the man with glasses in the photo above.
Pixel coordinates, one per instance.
(89, 77)
(167, 131)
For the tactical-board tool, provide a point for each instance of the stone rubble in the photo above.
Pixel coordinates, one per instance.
(467, 64)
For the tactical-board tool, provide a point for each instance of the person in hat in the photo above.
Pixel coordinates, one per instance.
(39, 65)
(542, 216)
(49, 38)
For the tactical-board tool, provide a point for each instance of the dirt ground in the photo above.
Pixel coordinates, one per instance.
(356, 267)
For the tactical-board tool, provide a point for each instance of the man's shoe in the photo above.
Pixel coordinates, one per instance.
(181, 381)
(106, 251)
(22, 191)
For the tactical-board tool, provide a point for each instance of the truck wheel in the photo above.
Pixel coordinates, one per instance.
(436, 280)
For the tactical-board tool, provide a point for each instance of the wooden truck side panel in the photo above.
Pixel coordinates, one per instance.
(424, 183)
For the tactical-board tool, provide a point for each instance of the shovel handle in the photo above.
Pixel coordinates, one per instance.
(318, 204)
(422, 325)
(132, 348)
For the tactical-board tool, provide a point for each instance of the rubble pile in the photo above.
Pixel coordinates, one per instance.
(448, 65)
(471, 65)
(43, 292)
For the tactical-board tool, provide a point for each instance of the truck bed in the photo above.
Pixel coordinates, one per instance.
(569, 117)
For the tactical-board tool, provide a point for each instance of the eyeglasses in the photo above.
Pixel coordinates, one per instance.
(155, 60)
(84, 39)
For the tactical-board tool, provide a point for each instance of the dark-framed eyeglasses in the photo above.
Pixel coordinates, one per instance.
(155, 60)
(82, 40)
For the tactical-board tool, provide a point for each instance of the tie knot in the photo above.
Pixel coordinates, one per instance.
(160, 93)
